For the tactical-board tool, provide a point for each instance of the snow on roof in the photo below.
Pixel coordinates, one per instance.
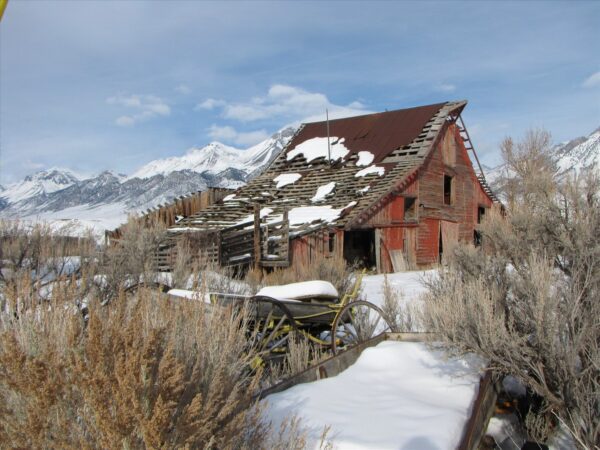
(302, 290)
(264, 212)
(370, 170)
(365, 158)
(228, 197)
(317, 148)
(308, 214)
(365, 189)
(396, 395)
(323, 191)
(286, 178)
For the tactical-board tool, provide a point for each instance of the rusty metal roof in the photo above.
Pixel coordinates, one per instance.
(379, 133)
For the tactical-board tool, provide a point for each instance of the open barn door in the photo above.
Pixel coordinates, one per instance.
(359, 248)
(448, 237)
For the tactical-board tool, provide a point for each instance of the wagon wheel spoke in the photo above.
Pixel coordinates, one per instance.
(357, 322)
(272, 332)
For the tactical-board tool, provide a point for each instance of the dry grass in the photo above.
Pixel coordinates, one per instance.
(333, 269)
(528, 302)
(401, 317)
(141, 372)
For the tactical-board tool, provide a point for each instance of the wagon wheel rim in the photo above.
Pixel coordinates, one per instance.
(271, 337)
(357, 322)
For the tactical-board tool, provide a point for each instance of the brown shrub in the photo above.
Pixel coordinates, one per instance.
(529, 302)
(141, 372)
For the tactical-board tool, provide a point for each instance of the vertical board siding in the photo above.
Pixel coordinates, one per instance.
(449, 157)
(307, 249)
(428, 236)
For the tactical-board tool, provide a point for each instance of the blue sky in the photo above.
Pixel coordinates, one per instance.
(112, 85)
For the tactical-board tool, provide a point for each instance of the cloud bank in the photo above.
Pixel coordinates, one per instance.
(147, 107)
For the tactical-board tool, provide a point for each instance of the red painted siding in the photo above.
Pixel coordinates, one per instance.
(450, 158)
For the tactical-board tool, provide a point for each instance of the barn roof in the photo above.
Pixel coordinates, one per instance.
(369, 157)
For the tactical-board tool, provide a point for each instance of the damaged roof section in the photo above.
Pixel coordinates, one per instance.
(368, 157)
(379, 133)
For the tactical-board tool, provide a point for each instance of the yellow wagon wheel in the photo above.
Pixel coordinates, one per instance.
(356, 323)
(273, 326)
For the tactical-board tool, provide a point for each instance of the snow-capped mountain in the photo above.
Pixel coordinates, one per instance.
(39, 184)
(215, 158)
(579, 154)
(572, 156)
(59, 194)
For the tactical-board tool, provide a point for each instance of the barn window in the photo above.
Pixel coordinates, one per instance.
(448, 186)
(410, 208)
(480, 213)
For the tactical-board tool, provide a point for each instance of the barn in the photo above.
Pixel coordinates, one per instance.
(390, 191)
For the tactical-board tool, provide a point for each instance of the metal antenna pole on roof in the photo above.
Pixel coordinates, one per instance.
(328, 143)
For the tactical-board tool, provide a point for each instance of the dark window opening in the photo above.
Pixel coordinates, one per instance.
(477, 238)
(410, 208)
(480, 213)
(331, 243)
(359, 248)
(448, 182)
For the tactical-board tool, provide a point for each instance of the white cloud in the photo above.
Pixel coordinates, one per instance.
(217, 133)
(147, 107)
(125, 121)
(209, 103)
(592, 80)
(231, 135)
(445, 87)
(183, 89)
(283, 102)
(251, 138)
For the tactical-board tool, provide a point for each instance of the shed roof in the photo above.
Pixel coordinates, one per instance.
(399, 142)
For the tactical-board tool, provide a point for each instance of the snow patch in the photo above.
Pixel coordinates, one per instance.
(300, 291)
(396, 395)
(365, 158)
(323, 191)
(317, 148)
(286, 178)
(264, 212)
(308, 214)
(370, 170)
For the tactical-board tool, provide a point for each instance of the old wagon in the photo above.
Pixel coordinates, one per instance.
(311, 310)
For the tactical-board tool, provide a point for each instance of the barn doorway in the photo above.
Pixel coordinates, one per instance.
(359, 248)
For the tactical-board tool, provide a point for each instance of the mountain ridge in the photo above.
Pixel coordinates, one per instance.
(60, 194)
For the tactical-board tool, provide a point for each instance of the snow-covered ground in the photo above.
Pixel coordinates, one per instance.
(81, 219)
(408, 284)
(397, 395)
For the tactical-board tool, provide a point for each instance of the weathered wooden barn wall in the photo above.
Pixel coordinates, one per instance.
(454, 221)
(418, 237)
(324, 243)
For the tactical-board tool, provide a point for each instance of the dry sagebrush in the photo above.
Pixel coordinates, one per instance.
(529, 301)
(144, 372)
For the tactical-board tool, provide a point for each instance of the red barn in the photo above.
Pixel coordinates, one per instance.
(389, 190)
